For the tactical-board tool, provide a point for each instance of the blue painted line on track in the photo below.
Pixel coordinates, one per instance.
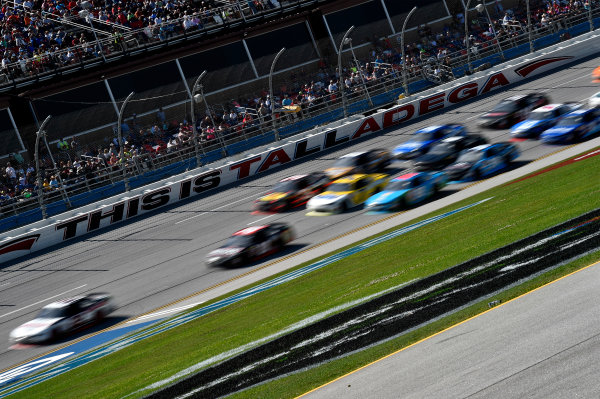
(14, 376)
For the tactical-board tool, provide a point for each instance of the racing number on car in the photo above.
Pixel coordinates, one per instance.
(261, 248)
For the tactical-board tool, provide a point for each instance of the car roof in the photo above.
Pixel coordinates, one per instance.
(249, 230)
(480, 147)
(515, 97)
(548, 107)
(407, 176)
(353, 154)
(429, 129)
(295, 177)
(579, 111)
(64, 302)
(351, 178)
(452, 138)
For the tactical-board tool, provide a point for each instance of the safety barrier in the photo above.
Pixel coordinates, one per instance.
(91, 218)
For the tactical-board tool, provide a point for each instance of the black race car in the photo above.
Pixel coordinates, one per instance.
(446, 151)
(291, 192)
(512, 110)
(250, 244)
(370, 161)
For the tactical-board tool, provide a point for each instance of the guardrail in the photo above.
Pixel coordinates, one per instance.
(113, 210)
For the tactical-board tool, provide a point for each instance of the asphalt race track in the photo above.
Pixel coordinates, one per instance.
(542, 345)
(159, 259)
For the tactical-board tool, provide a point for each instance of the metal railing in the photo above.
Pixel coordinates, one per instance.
(44, 65)
(260, 129)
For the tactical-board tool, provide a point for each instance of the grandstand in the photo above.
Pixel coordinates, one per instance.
(112, 58)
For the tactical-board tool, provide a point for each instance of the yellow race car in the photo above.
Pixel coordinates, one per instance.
(347, 192)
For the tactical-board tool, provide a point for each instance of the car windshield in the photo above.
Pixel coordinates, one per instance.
(423, 136)
(345, 162)
(340, 187)
(397, 185)
(442, 148)
(470, 156)
(52, 313)
(505, 106)
(538, 116)
(238, 241)
(284, 186)
(570, 120)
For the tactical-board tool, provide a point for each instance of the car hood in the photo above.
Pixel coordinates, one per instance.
(493, 115)
(273, 197)
(411, 146)
(458, 167)
(558, 131)
(386, 197)
(328, 198)
(528, 125)
(430, 158)
(224, 252)
(334, 173)
(34, 327)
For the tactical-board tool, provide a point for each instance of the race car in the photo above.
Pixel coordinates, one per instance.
(250, 244)
(594, 101)
(370, 161)
(407, 190)
(60, 318)
(481, 161)
(292, 192)
(577, 125)
(512, 110)
(422, 140)
(446, 151)
(542, 118)
(347, 192)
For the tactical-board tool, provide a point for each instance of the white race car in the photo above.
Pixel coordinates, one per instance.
(62, 317)
(594, 101)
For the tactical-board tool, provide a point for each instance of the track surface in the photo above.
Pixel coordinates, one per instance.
(542, 345)
(159, 259)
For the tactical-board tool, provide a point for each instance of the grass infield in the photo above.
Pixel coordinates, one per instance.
(515, 211)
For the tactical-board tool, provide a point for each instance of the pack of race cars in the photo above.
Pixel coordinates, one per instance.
(439, 154)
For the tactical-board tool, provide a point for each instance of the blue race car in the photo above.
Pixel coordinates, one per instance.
(407, 190)
(422, 140)
(481, 161)
(577, 125)
(542, 118)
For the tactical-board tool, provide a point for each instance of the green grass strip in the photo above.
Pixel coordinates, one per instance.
(515, 211)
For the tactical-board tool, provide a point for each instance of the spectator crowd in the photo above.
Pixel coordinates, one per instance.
(431, 55)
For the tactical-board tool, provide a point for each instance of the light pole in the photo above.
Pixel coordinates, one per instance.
(467, 36)
(480, 8)
(193, 101)
(40, 191)
(85, 14)
(271, 91)
(359, 69)
(404, 82)
(340, 70)
(120, 138)
(212, 120)
(529, 32)
(590, 18)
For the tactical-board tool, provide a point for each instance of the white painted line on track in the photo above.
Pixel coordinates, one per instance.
(216, 209)
(258, 220)
(43, 300)
(164, 312)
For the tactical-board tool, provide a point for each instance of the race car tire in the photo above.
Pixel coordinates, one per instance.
(344, 207)
(477, 174)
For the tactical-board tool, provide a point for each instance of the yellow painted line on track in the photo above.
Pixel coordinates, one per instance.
(446, 329)
(240, 276)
